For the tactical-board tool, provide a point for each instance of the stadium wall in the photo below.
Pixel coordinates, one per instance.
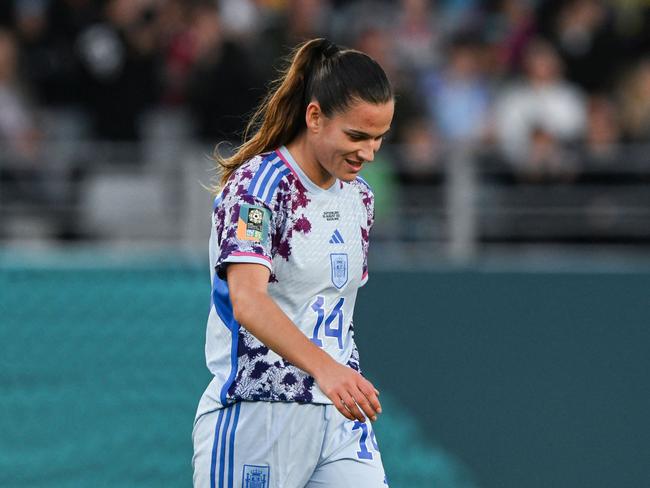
(499, 379)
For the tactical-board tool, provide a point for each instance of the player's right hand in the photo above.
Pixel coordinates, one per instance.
(351, 393)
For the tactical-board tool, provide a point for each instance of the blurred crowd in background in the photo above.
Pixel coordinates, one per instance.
(541, 88)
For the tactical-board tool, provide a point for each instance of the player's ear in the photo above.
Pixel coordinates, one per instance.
(314, 117)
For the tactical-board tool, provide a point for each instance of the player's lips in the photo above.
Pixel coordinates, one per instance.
(356, 165)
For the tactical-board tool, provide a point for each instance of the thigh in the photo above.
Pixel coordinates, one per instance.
(258, 445)
(350, 457)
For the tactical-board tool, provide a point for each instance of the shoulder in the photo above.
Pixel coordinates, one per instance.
(242, 176)
(362, 187)
(258, 178)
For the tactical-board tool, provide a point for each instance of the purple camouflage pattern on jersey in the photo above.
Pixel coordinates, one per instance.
(369, 202)
(257, 379)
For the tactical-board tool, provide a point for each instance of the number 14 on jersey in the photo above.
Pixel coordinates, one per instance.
(333, 322)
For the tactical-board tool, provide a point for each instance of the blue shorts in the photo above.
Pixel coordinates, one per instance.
(284, 445)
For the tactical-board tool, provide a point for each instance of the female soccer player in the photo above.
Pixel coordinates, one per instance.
(287, 406)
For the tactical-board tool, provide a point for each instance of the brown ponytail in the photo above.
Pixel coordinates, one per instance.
(320, 71)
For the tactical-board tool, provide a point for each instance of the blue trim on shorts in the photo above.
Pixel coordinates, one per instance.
(231, 458)
(223, 306)
(219, 444)
(214, 449)
(222, 455)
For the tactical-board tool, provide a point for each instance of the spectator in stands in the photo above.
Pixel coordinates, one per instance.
(241, 18)
(459, 16)
(37, 51)
(418, 36)
(511, 28)
(585, 35)
(119, 57)
(458, 97)
(602, 159)
(223, 87)
(549, 160)
(28, 174)
(47, 32)
(18, 131)
(176, 51)
(635, 102)
(603, 135)
(539, 109)
(420, 153)
(23, 176)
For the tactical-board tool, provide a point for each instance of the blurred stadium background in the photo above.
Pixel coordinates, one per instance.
(509, 260)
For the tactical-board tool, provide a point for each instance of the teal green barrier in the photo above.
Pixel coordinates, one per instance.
(535, 380)
(101, 371)
(503, 380)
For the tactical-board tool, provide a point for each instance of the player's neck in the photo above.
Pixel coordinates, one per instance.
(306, 159)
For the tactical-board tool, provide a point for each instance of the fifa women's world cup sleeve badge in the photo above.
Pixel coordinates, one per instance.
(253, 224)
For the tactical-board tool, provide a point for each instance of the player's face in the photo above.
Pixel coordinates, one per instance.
(346, 141)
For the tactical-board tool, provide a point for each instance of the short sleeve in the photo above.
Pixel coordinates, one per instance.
(244, 227)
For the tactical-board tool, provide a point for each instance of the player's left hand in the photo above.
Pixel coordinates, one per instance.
(352, 394)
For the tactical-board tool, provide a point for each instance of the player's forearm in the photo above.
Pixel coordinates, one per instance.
(261, 316)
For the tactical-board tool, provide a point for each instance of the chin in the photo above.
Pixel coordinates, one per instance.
(348, 177)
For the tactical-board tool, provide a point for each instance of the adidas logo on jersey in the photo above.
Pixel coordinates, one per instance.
(336, 238)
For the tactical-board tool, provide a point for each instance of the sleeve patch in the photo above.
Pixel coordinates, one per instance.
(253, 224)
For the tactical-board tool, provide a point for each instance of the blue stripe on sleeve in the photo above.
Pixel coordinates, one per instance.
(275, 167)
(216, 202)
(265, 182)
(260, 170)
(223, 306)
(231, 460)
(214, 448)
(275, 184)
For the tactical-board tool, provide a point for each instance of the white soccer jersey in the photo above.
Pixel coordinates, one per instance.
(315, 242)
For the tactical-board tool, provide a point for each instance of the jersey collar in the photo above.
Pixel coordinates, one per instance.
(288, 159)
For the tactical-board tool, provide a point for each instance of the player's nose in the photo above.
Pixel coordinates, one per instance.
(366, 153)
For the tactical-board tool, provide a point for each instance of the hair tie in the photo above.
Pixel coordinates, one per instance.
(329, 48)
